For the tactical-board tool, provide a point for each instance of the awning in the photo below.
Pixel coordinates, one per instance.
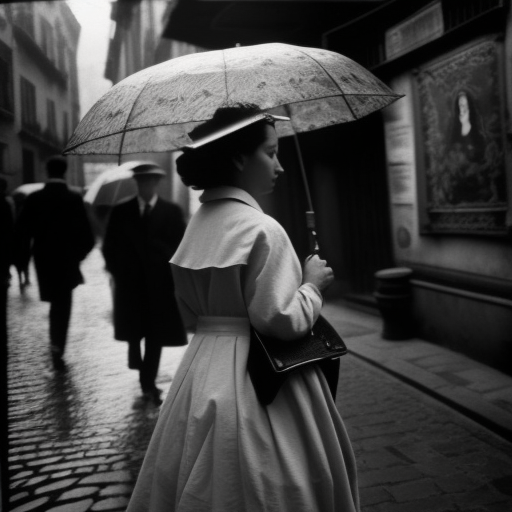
(215, 24)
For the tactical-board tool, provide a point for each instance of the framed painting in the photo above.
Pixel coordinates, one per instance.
(462, 143)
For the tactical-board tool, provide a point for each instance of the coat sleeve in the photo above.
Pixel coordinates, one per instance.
(23, 235)
(112, 242)
(277, 303)
(86, 240)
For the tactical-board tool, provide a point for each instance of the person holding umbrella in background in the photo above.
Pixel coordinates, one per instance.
(141, 236)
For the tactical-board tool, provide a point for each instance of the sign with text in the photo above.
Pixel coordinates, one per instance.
(424, 26)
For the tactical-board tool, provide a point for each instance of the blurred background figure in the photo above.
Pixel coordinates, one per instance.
(111, 187)
(6, 238)
(19, 195)
(6, 260)
(54, 228)
(141, 236)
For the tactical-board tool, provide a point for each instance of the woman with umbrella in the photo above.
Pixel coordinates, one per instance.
(215, 446)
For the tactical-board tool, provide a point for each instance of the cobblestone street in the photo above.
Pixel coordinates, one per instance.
(77, 438)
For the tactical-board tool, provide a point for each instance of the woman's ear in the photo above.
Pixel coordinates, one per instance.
(239, 162)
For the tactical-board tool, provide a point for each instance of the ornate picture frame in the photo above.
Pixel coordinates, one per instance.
(462, 143)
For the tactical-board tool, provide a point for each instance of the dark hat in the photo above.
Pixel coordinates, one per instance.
(147, 169)
(217, 132)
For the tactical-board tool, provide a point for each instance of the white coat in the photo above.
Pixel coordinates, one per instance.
(215, 447)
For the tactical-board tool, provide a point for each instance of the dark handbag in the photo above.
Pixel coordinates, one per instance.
(271, 360)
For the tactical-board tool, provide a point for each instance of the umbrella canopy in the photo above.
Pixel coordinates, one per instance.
(154, 109)
(26, 189)
(113, 185)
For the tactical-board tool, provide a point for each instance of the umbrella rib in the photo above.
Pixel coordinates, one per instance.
(74, 146)
(333, 81)
(127, 119)
(225, 76)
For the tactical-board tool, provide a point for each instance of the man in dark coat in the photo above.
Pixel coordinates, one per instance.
(141, 236)
(54, 228)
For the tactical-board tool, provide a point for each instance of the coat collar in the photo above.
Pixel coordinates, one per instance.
(142, 203)
(227, 192)
(55, 182)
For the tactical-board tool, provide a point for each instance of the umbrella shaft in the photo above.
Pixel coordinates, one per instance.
(310, 214)
(303, 172)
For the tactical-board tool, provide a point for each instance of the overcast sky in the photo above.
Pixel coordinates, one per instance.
(94, 18)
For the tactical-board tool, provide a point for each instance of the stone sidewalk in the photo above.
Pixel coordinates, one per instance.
(478, 391)
(77, 437)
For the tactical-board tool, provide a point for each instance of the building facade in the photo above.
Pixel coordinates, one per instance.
(137, 43)
(39, 102)
(425, 184)
(448, 162)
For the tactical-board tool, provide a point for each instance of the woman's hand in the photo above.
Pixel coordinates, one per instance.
(317, 272)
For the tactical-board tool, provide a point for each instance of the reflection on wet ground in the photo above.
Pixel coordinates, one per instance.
(77, 436)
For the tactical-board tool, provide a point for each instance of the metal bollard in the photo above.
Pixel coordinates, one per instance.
(394, 300)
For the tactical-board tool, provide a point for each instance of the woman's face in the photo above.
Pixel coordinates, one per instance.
(260, 169)
(463, 106)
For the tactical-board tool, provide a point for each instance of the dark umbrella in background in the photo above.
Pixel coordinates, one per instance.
(155, 109)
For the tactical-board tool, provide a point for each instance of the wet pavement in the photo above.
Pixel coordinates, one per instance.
(77, 437)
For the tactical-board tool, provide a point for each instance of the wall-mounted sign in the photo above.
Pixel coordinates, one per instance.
(400, 159)
(424, 26)
(463, 142)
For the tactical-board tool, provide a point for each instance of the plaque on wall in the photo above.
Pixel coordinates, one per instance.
(417, 30)
(462, 139)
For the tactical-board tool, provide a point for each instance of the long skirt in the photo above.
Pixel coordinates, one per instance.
(216, 449)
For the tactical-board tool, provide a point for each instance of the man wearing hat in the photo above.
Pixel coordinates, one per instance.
(141, 236)
(53, 227)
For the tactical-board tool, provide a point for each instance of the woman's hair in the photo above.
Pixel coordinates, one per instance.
(212, 165)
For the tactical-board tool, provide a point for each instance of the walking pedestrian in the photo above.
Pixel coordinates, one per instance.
(6, 257)
(54, 228)
(141, 236)
(215, 447)
(6, 260)
(6, 239)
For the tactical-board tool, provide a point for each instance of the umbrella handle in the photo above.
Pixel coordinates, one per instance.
(313, 240)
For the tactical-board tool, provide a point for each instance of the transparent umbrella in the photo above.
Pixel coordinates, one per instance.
(154, 109)
(108, 189)
(112, 186)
